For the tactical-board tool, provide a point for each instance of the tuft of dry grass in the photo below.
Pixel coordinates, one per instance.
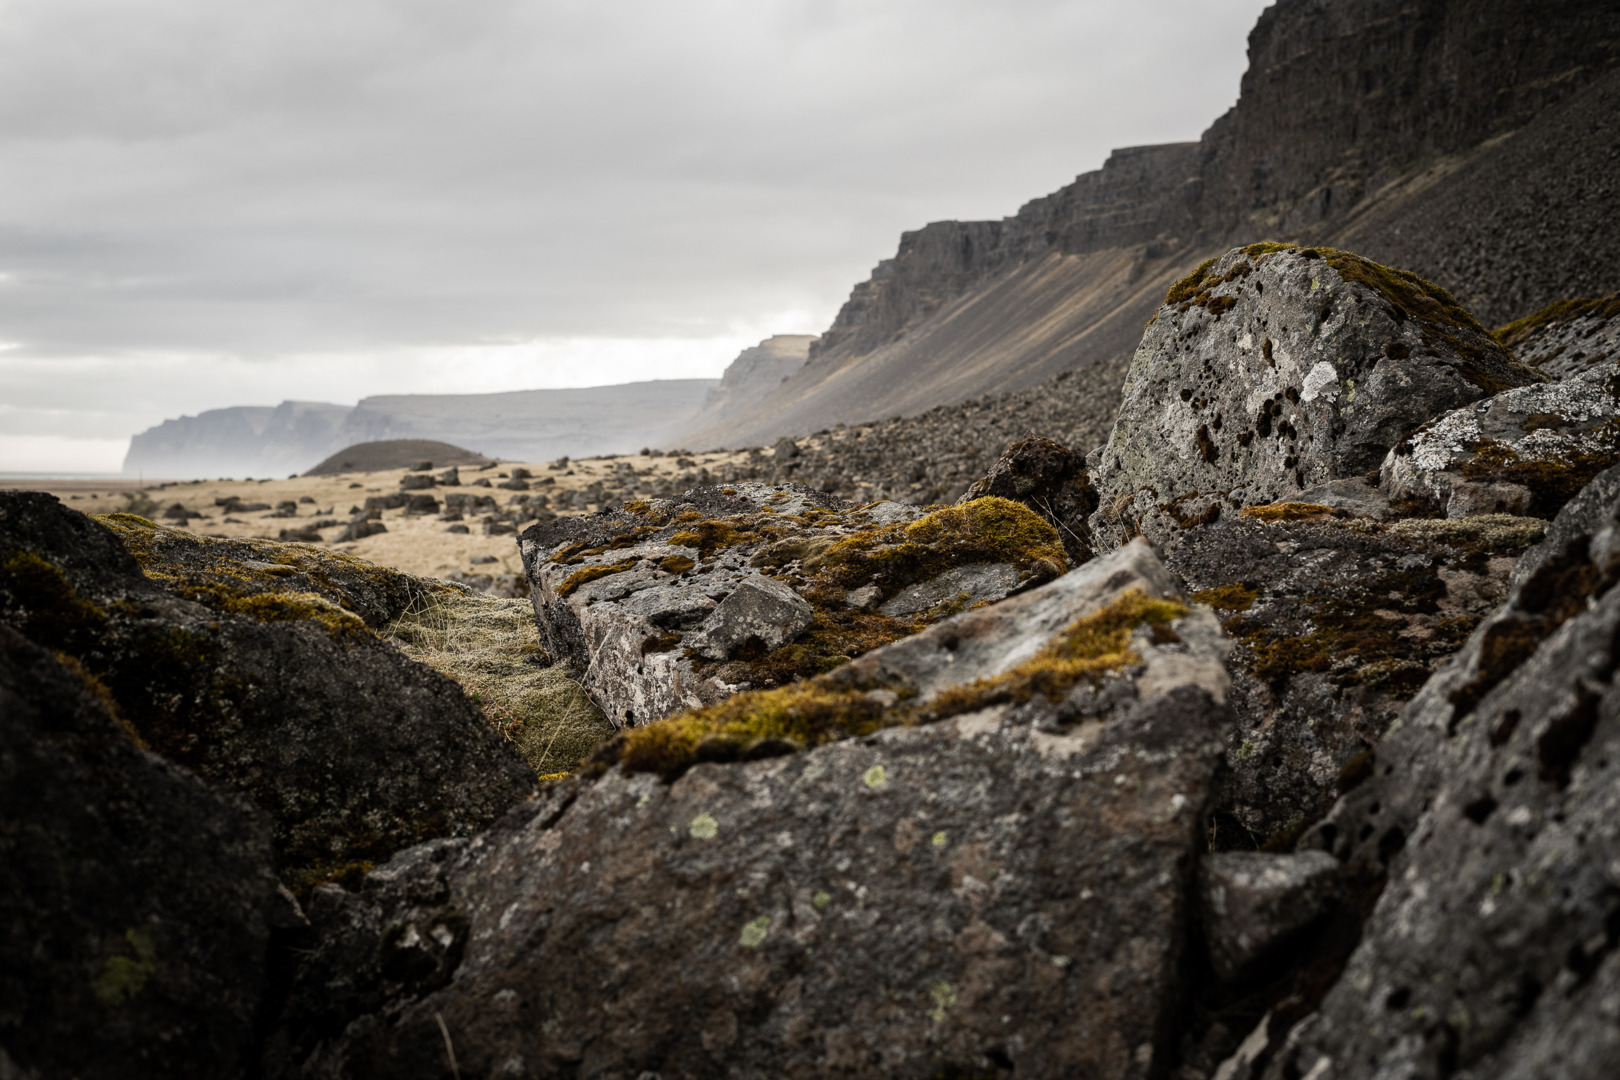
(490, 646)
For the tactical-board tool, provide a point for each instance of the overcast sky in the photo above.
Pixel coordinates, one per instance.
(207, 203)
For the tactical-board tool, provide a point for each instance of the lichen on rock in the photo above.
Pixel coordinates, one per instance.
(1278, 369)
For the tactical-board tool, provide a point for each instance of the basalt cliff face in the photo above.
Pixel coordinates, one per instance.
(1444, 138)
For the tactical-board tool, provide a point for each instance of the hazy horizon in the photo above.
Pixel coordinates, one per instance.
(212, 207)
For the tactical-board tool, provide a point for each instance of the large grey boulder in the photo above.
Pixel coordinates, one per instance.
(1003, 888)
(1491, 812)
(677, 603)
(1523, 451)
(253, 665)
(1274, 369)
(136, 904)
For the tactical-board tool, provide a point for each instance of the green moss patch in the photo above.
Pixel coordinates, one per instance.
(1286, 511)
(587, 574)
(1515, 333)
(1238, 597)
(1552, 481)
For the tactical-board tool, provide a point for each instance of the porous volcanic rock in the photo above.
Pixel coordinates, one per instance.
(234, 668)
(1001, 889)
(1274, 369)
(1336, 621)
(136, 904)
(1568, 337)
(636, 599)
(1050, 479)
(1493, 815)
(1523, 451)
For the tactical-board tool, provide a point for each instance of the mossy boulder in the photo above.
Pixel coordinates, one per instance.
(1276, 369)
(136, 903)
(637, 599)
(352, 749)
(1004, 890)
(1051, 480)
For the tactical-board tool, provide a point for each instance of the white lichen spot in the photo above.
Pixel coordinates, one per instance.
(875, 776)
(1061, 961)
(704, 827)
(1322, 381)
(944, 996)
(939, 839)
(753, 934)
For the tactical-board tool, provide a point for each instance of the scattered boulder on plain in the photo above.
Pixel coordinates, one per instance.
(636, 599)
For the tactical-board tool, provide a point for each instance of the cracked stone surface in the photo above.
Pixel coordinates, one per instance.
(1002, 889)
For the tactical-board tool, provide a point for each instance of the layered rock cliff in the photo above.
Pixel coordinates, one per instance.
(1445, 138)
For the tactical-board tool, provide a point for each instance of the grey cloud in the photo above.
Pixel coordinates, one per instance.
(255, 180)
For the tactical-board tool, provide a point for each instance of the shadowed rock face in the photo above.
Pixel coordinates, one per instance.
(136, 904)
(1492, 813)
(1275, 369)
(1005, 888)
(279, 692)
(679, 603)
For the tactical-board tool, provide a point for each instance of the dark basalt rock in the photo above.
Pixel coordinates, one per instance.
(255, 674)
(1050, 479)
(136, 903)
(1492, 813)
(1003, 890)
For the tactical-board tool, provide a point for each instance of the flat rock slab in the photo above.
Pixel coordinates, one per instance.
(1001, 890)
(1271, 371)
(680, 603)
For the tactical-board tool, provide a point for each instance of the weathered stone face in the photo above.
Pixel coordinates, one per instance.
(228, 666)
(136, 904)
(680, 603)
(1254, 903)
(1493, 813)
(1569, 337)
(1005, 888)
(1523, 451)
(1276, 370)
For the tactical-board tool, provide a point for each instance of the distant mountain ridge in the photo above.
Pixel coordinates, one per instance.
(1351, 115)
(524, 425)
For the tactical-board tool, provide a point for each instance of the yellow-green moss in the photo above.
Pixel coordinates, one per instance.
(50, 609)
(1514, 333)
(676, 564)
(711, 534)
(1552, 481)
(822, 710)
(587, 574)
(1266, 247)
(1188, 286)
(1485, 532)
(102, 693)
(123, 977)
(1286, 511)
(1238, 597)
(1089, 648)
(991, 529)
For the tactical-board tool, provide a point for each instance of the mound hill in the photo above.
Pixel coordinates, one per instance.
(395, 454)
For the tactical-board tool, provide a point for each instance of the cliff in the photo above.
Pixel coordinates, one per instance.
(247, 440)
(1426, 134)
(754, 374)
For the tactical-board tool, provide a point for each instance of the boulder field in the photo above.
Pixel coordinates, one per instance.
(1274, 738)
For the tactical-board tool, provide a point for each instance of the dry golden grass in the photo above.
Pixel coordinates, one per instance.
(491, 648)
